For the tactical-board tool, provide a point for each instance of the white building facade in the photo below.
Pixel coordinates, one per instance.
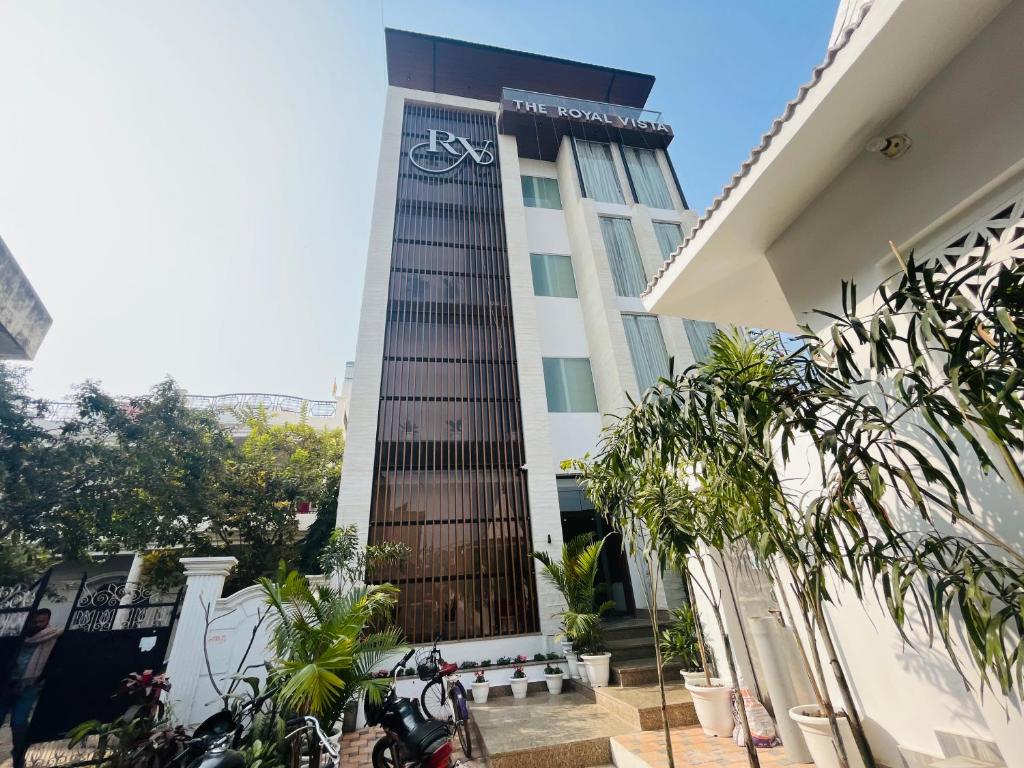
(817, 203)
(518, 214)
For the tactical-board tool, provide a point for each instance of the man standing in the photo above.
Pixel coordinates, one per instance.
(19, 692)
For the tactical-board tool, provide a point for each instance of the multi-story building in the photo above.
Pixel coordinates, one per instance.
(522, 204)
(24, 320)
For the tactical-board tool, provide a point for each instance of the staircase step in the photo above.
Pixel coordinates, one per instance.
(641, 705)
(630, 672)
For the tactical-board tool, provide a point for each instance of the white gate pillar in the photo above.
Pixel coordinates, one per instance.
(204, 582)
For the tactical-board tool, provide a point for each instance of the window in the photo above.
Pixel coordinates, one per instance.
(699, 335)
(623, 256)
(648, 180)
(647, 348)
(552, 275)
(570, 385)
(669, 237)
(599, 175)
(541, 192)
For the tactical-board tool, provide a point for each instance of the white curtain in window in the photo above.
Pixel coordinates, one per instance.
(552, 275)
(648, 180)
(598, 169)
(541, 192)
(623, 256)
(569, 384)
(699, 334)
(647, 348)
(669, 237)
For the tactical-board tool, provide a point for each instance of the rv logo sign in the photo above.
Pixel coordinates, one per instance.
(445, 151)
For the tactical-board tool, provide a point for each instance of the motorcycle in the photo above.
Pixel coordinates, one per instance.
(410, 740)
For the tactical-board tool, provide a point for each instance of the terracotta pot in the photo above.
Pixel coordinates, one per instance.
(714, 708)
(818, 737)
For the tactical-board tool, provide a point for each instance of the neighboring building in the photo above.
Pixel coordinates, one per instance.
(812, 206)
(24, 320)
(522, 203)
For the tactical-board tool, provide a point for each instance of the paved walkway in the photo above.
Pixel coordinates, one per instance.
(690, 747)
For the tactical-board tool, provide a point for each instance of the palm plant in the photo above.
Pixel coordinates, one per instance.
(681, 640)
(575, 577)
(325, 651)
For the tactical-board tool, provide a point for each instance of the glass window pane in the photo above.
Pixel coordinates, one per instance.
(541, 192)
(598, 169)
(569, 384)
(623, 256)
(648, 180)
(699, 334)
(647, 348)
(669, 237)
(552, 275)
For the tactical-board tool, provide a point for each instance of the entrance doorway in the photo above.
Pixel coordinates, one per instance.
(578, 517)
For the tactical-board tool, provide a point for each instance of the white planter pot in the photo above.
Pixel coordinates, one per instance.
(697, 678)
(597, 668)
(480, 692)
(571, 660)
(818, 736)
(554, 682)
(581, 670)
(714, 708)
(519, 685)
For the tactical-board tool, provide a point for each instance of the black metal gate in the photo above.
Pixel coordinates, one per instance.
(111, 632)
(16, 603)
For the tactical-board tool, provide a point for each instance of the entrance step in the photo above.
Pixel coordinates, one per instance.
(569, 730)
(630, 672)
(641, 705)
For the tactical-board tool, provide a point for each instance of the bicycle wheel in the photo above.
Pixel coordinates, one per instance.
(435, 701)
(463, 728)
(385, 754)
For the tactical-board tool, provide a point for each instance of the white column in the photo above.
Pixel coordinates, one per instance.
(131, 586)
(204, 582)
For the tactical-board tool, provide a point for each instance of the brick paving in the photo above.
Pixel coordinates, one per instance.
(691, 747)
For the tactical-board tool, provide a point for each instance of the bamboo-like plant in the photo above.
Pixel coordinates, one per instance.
(575, 577)
(324, 650)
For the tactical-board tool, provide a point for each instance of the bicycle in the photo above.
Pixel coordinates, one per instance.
(319, 743)
(444, 697)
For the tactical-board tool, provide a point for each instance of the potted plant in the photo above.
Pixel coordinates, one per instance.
(681, 642)
(597, 662)
(481, 688)
(575, 576)
(519, 683)
(503, 660)
(485, 663)
(554, 678)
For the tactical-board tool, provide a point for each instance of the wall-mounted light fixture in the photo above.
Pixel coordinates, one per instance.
(890, 146)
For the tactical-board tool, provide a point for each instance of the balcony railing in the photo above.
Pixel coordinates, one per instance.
(62, 411)
(584, 105)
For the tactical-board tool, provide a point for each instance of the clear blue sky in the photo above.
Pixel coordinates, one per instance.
(188, 184)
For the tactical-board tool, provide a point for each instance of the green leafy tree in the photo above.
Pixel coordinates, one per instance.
(277, 471)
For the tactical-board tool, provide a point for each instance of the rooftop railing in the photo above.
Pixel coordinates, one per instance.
(62, 411)
(585, 105)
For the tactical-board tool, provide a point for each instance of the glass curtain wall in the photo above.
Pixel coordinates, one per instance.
(699, 334)
(647, 348)
(648, 180)
(541, 192)
(669, 237)
(569, 384)
(623, 256)
(552, 275)
(598, 169)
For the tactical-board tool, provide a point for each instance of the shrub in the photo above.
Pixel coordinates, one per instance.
(485, 663)
(539, 657)
(553, 657)
(519, 673)
(550, 670)
(480, 677)
(469, 665)
(504, 660)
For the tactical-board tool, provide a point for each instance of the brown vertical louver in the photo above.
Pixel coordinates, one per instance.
(449, 477)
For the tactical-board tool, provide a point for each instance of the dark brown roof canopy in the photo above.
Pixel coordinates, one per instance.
(442, 65)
